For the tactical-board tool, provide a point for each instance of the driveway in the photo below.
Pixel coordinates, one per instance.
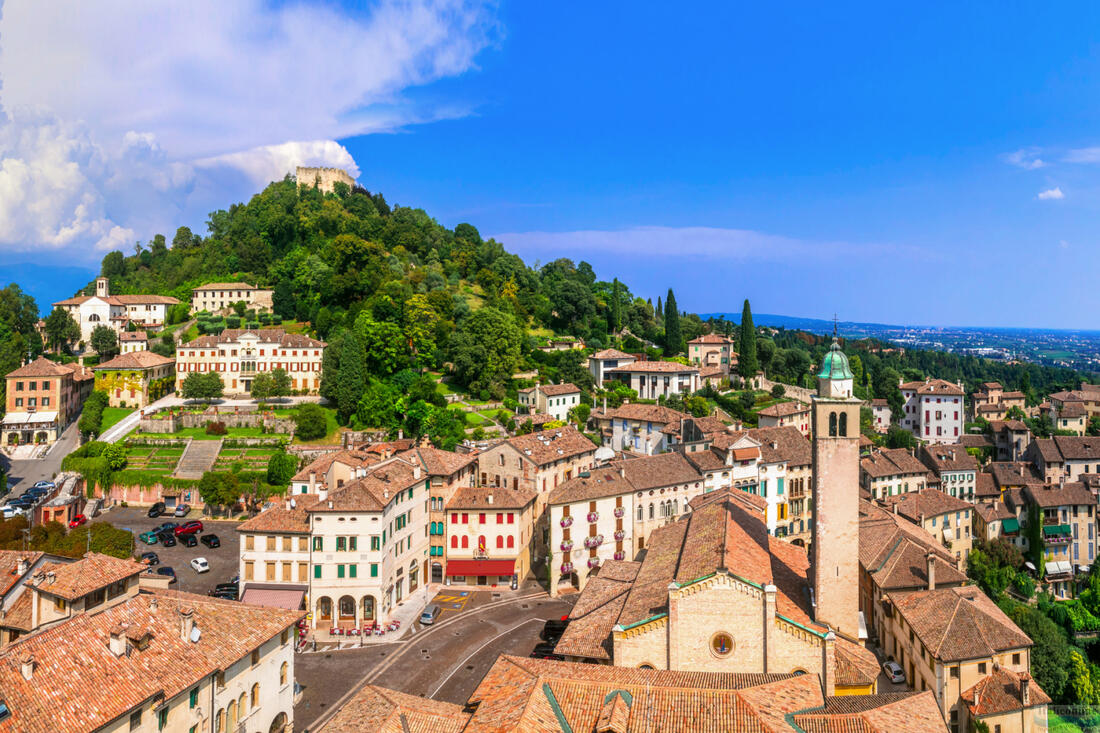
(27, 472)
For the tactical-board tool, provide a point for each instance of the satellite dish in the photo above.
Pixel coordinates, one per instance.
(195, 634)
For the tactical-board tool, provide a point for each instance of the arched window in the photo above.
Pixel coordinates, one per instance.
(255, 699)
(511, 542)
(231, 715)
(640, 517)
(651, 511)
(465, 542)
(220, 721)
(93, 318)
(240, 705)
(282, 673)
(832, 424)
(843, 424)
(368, 608)
(500, 542)
(454, 542)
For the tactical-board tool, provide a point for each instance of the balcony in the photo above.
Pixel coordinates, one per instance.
(566, 522)
(566, 568)
(620, 512)
(567, 546)
(593, 517)
(590, 542)
(1057, 534)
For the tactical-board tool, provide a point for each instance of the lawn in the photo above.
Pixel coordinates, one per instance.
(475, 420)
(111, 415)
(493, 414)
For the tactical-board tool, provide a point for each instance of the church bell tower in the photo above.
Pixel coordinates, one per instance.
(834, 564)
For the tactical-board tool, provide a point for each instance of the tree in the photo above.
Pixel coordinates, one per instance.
(60, 328)
(747, 364)
(114, 264)
(280, 382)
(674, 335)
(91, 416)
(183, 239)
(310, 422)
(104, 341)
(199, 386)
(486, 349)
(778, 390)
(261, 386)
(281, 468)
(115, 455)
(282, 300)
(616, 306)
(352, 380)
(1050, 655)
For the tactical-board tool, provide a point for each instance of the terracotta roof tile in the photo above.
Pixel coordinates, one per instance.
(547, 446)
(662, 367)
(226, 286)
(135, 360)
(281, 519)
(1069, 494)
(557, 390)
(1000, 692)
(785, 409)
(656, 471)
(934, 387)
(915, 505)
(611, 354)
(894, 551)
(380, 710)
(92, 572)
(266, 336)
(903, 712)
(601, 482)
(712, 338)
(597, 610)
(641, 412)
(490, 498)
(959, 623)
(40, 367)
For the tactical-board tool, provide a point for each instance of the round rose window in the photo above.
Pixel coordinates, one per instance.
(721, 644)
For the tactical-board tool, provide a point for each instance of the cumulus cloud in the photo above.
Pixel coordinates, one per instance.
(1026, 158)
(121, 113)
(700, 242)
(1051, 194)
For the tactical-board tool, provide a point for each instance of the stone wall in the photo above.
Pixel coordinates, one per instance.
(172, 422)
(311, 453)
(149, 495)
(795, 393)
(323, 178)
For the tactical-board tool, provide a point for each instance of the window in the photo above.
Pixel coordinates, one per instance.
(454, 542)
(318, 544)
(339, 571)
(249, 542)
(374, 570)
(511, 541)
(162, 718)
(352, 571)
(955, 672)
(135, 717)
(500, 542)
(1016, 658)
(481, 518)
(255, 695)
(194, 697)
(721, 644)
(317, 572)
(341, 544)
(374, 543)
(255, 657)
(981, 667)
(271, 543)
(465, 543)
(282, 673)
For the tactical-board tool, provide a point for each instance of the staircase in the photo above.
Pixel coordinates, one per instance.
(198, 458)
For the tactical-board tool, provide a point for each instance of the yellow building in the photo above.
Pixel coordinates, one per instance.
(135, 379)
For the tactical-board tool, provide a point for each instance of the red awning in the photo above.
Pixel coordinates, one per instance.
(477, 568)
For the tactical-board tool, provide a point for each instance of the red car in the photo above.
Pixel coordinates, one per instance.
(78, 520)
(188, 528)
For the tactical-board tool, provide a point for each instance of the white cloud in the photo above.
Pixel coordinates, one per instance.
(1026, 158)
(1083, 155)
(122, 113)
(1051, 194)
(700, 242)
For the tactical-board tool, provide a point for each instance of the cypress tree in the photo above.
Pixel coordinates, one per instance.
(674, 336)
(616, 306)
(660, 312)
(747, 363)
(352, 381)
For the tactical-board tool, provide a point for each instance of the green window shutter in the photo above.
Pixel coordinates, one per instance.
(353, 543)
(341, 544)
(352, 571)
(374, 570)
(318, 544)
(317, 571)
(339, 571)
(194, 697)
(374, 544)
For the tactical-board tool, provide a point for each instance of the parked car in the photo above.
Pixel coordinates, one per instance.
(189, 527)
(165, 570)
(542, 649)
(21, 503)
(182, 510)
(225, 595)
(200, 565)
(150, 558)
(165, 527)
(210, 540)
(157, 509)
(552, 630)
(9, 511)
(187, 540)
(36, 492)
(227, 587)
(149, 538)
(430, 614)
(893, 672)
(76, 521)
(44, 485)
(167, 539)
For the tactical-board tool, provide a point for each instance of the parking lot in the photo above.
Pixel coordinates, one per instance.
(224, 560)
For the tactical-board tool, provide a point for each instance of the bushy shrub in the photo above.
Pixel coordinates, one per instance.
(215, 428)
(233, 321)
(310, 422)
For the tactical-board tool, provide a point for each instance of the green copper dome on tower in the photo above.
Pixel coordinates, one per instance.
(835, 364)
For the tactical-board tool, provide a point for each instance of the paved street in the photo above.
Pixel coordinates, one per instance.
(224, 560)
(444, 661)
(26, 473)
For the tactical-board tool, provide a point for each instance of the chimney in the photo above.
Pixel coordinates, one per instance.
(931, 559)
(330, 505)
(117, 641)
(769, 625)
(22, 566)
(153, 604)
(896, 507)
(26, 666)
(51, 577)
(187, 622)
(622, 472)
(400, 433)
(1025, 689)
(416, 472)
(490, 497)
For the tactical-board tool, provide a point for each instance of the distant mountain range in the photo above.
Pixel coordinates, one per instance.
(850, 329)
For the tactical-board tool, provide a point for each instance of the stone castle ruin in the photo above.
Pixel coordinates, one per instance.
(323, 178)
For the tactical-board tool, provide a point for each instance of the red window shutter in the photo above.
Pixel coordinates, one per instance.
(465, 542)
(500, 518)
(454, 519)
(454, 542)
(500, 542)
(511, 518)
(481, 518)
(511, 541)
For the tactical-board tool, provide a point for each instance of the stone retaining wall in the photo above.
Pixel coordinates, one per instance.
(174, 422)
(149, 495)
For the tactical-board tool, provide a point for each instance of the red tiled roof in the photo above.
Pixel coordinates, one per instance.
(666, 367)
(92, 572)
(959, 623)
(1000, 692)
(135, 360)
(40, 367)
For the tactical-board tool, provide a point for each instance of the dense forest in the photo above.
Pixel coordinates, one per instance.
(396, 294)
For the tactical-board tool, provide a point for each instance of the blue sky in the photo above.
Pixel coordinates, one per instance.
(931, 166)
